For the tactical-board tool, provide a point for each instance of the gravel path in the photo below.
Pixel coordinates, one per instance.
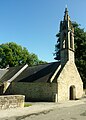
(71, 110)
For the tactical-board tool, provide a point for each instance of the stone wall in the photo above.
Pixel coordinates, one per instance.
(11, 101)
(34, 91)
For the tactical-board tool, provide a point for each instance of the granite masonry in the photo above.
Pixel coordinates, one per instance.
(11, 101)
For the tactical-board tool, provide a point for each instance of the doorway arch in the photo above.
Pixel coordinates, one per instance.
(72, 92)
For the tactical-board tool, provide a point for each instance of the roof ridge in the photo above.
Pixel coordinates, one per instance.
(42, 64)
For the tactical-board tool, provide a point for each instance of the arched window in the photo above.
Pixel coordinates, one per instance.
(64, 41)
(71, 40)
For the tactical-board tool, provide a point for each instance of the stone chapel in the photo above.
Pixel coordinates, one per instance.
(56, 81)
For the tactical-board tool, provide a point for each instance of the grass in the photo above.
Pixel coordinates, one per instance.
(27, 105)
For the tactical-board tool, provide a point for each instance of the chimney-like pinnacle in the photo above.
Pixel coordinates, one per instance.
(66, 13)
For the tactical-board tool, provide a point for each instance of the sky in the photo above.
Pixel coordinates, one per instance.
(34, 23)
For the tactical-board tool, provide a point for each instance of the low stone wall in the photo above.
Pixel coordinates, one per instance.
(11, 101)
(34, 91)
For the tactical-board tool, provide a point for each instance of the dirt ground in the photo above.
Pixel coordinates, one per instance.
(71, 110)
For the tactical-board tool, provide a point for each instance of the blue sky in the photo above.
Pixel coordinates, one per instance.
(34, 23)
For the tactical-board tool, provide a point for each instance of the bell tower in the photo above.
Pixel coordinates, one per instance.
(66, 39)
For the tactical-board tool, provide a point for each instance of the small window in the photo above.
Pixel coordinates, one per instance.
(63, 43)
(71, 41)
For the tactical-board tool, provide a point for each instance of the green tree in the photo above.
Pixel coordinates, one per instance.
(13, 55)
(80, 51)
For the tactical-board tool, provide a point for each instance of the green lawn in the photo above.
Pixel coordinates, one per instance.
(27, 105)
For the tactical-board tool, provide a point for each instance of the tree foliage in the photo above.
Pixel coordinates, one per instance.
(13, 55)
(80, 51)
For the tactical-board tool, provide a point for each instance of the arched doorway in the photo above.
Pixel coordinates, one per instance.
(72, 92)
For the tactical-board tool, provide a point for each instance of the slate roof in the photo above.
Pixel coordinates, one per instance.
(9, 74)
(3, 72)
(39, 73)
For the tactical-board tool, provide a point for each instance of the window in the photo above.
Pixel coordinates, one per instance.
(71, 40)
(64, 41)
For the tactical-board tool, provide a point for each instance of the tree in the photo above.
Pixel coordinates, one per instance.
(13, 55)
(80, 50)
